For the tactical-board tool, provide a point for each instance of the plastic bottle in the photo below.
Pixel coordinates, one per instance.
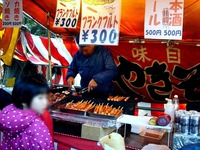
(169, 108)
(176, 102)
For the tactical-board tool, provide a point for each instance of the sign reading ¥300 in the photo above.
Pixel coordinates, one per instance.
(100, 22)
(67, 13)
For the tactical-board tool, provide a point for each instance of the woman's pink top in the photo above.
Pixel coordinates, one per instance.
(23, 130)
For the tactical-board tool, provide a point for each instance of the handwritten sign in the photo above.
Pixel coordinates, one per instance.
(164, 19)
(67, 13)
(12, 13)
(100, 22)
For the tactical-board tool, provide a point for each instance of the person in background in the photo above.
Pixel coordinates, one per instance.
(20, 122)
(96, 68)
(5, 99)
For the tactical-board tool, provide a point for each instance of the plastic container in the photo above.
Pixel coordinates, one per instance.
(152, 134)
(176, 102)
(169, 109)
(163, 120)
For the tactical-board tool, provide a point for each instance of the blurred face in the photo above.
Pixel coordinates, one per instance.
(87, 50)
(39, 103)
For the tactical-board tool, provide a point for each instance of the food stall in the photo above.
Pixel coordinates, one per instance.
(150, 69)
(88, 118)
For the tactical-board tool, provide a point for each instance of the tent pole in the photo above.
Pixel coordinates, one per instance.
(49, 49)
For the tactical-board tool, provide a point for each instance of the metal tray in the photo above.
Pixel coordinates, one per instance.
(55, 104)
(128, 106)
(76, 112)
(59, 90)
(102, 116)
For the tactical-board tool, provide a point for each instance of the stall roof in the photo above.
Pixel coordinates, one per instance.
(132, 18)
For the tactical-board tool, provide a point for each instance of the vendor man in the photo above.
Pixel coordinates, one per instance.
(96, 68)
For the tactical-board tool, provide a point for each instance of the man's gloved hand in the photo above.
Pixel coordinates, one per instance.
(70, 81)
(92, 85)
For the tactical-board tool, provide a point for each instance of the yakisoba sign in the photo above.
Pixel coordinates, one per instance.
(8, 39)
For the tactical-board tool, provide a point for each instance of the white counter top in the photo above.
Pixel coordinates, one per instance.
(141, 121)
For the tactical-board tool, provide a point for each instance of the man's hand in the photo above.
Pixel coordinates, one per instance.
(70, 81)
(92, 85)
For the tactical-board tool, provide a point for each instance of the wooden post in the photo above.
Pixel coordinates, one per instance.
(49, 49)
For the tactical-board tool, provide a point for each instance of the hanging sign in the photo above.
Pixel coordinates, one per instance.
(164, 19)
(8, 40)
(100, 22)
(12, 13)
(67, 13)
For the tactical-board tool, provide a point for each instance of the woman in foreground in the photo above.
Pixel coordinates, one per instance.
(20, 122)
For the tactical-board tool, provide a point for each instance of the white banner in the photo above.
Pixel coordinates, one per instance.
(67, 13)
(12, 13)
(100, 22)
(164, 19)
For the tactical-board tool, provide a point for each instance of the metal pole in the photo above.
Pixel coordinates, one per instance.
(49, 49)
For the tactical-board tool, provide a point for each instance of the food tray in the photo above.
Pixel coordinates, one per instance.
(102, 116)
(71, 111)
(128, 106)
(57, 102)
(152, 134)
(58, 90)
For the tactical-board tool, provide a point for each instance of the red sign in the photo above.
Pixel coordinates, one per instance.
(157, 71)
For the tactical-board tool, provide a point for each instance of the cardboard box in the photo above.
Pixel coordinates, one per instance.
(94, 133)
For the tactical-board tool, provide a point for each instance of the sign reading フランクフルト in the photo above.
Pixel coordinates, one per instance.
(12, 13)
(67, 13)
(164, 19)
(100, 22)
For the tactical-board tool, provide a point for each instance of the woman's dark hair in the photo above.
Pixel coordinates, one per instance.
(27, 88)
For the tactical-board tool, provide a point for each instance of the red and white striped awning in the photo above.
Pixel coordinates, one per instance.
(35, 49)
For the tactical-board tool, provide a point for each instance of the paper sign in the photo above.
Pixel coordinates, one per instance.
(12, 13)
(100, 22)
(164, 19)
(67, 13)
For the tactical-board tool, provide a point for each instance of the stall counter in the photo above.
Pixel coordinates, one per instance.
(133, 142)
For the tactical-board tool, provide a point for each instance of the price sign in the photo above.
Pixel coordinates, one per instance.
(67, 13)
(100, 22)
(164, 19)
(12, 13)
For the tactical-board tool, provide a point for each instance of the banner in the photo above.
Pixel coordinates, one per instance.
(67, 13)
(8, 40)
(12, 13)
(164, 19)
(100, 22)
(157, 72)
